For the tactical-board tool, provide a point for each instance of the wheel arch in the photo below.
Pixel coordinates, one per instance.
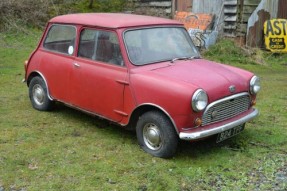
(143, 108)
(39, 74)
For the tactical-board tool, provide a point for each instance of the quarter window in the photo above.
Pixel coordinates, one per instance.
(61, 38)
(101, 46)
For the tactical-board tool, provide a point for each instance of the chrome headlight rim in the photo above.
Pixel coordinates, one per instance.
(255, 85)
(199, 100)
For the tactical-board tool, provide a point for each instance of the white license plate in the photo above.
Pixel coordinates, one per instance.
(229, 133)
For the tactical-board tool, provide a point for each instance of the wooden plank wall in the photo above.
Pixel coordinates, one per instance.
(282, 9)
(183, 5)
(159, 8)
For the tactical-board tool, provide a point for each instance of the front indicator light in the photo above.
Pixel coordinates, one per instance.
(197, 122)
(253, 102)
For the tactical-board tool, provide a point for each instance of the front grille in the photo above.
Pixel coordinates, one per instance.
(226, 108)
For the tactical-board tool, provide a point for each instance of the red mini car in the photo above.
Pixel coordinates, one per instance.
(143, 73)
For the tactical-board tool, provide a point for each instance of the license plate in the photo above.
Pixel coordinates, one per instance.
(229, 133)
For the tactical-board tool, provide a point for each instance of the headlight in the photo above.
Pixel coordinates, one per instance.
(254, 85)
(199, 100)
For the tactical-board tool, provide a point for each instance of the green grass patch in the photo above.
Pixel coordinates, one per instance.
(68, 150)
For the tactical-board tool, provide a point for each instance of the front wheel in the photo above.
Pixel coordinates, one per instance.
(156, 134)
(38, 94)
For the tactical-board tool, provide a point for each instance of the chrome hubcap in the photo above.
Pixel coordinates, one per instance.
(38, 94)
(152, 136)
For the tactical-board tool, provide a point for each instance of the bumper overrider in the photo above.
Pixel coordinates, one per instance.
(194, 135)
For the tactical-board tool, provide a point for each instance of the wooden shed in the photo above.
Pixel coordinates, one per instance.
(233, 18)
(242, 19)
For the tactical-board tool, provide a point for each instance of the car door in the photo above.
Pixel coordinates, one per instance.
(99, 76)
(57, 59)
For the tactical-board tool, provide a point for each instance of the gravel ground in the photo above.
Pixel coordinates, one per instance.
(271, 174)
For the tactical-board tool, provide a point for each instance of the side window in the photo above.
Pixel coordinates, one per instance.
(61, 38)
(100, 46)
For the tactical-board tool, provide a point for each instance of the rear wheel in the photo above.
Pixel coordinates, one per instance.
(156, 134)
(38, 94)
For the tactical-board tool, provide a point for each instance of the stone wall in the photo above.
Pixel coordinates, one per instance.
(159, 8)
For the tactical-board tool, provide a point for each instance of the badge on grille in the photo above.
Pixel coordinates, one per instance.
(232, 89)
(214, 114)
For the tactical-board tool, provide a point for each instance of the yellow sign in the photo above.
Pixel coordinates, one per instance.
(275, 32)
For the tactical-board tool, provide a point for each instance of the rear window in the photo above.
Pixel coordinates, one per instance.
(61, 38)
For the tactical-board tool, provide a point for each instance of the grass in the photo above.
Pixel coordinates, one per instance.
(68, 150)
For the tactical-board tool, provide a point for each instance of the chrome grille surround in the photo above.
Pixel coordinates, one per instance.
(226, 108)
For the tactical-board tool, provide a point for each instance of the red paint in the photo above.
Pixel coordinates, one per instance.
(114, 92)
(115, 20)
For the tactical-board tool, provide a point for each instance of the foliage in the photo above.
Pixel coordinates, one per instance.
(16, 15)
(75, 6)
(225, 48)
(68, 150)
(227, 51)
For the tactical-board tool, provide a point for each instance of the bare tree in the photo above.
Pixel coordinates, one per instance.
(91, 4)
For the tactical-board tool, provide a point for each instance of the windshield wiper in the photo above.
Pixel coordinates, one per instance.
(185, 58)
(180, 58)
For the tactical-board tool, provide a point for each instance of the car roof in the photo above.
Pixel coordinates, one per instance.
(112, 20)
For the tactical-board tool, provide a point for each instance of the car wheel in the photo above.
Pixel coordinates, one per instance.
(156, 134)
(38, 94)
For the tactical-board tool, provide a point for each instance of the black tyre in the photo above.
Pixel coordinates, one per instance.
(38, 95)
(156, 134)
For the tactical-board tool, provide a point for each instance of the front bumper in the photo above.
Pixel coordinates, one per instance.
(189, 136)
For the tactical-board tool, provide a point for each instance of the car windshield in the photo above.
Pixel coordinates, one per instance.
(150, 45)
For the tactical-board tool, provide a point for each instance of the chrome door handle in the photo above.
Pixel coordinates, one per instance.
(77, 65)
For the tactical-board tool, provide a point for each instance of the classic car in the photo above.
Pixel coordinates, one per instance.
(142, 73)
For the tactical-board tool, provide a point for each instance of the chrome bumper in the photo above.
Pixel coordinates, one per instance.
(216, 130)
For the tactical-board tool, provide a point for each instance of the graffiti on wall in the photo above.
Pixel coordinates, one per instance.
(199, 27)
(195, 21)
